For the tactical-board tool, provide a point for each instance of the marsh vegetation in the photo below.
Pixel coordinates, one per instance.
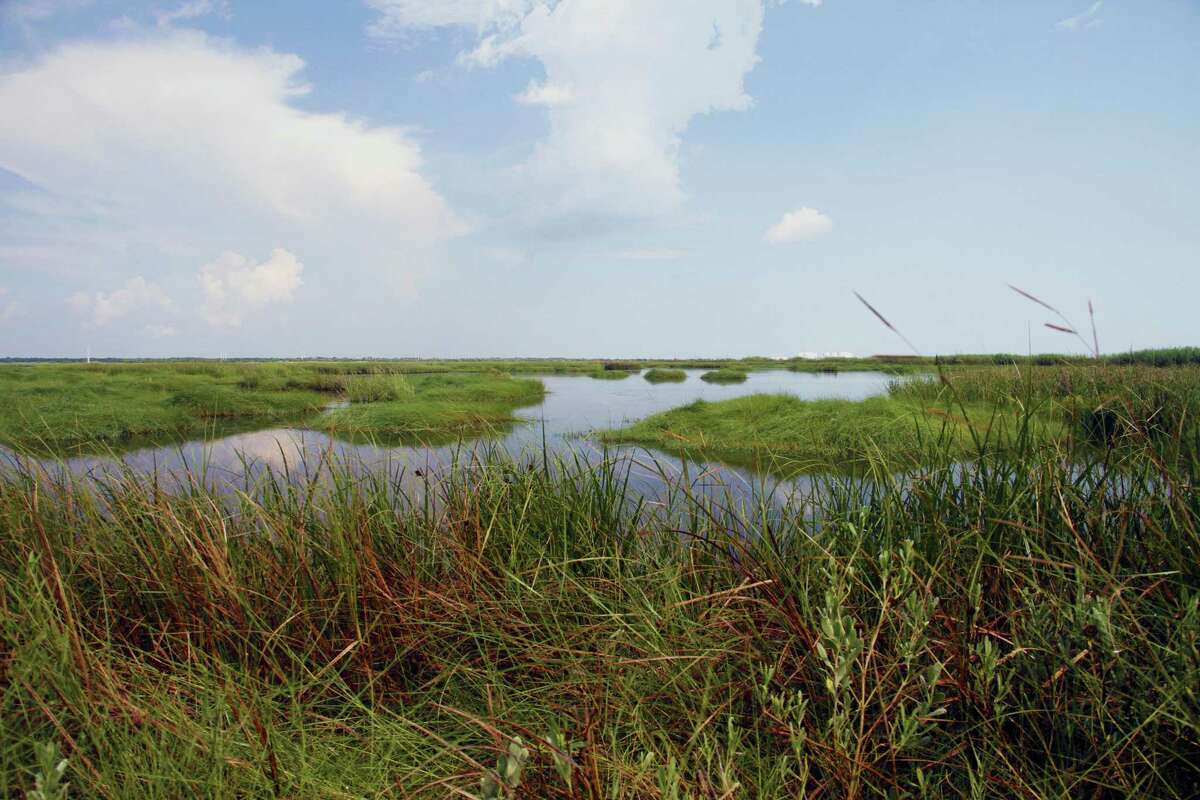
(1002, 599)
(725, 375)
(662, 375)
(60, 408)
(1004, 407)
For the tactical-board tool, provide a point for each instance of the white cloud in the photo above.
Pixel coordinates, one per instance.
(137, 296)
(623, 79)
(398, 16)
(26, 12)
(545, 94)
(798, 225)
(192, 9)
(1088, 18)
(168, 145)
(234, 287)
(130, 117)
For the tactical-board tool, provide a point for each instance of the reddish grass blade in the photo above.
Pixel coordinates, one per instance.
(1068, 326)
(1028, 296)
(887, 324)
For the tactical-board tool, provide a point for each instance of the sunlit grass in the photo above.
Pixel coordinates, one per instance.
(724, 376)
(1004, 407)
(660, 375)
(76, 407)
(1022, 623)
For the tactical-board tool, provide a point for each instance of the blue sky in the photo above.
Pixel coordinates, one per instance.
(594, 177)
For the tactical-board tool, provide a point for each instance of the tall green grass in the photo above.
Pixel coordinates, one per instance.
(378, 388)
(1025, 623)
(960, 409)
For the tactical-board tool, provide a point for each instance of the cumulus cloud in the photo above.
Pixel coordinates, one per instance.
(545, 94)
(167, 145)
(25, 12)
(398, 16)
(623, 79)
(137, 296)
(130, 118)
(192, 9)
(1088, 18)
(235, 287)
(798, 225)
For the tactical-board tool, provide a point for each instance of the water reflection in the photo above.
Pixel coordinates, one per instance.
(574, 408)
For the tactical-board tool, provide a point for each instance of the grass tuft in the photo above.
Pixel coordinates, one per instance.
(724, 376)
(378, 388)
(661, 375)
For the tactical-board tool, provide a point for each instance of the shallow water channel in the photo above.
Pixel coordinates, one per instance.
(574, 408)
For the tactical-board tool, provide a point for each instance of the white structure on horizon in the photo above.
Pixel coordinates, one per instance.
(820, 356)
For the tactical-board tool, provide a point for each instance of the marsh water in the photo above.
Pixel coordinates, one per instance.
(563, 424)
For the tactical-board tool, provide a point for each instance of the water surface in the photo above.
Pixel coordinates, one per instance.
(575, 407)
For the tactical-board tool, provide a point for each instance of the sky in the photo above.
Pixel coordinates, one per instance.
(595, 178)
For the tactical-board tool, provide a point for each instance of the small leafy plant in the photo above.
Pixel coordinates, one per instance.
(49, 783)
(507, 776)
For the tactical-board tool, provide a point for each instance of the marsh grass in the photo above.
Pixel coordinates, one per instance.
(72, 407)
(787, 435)
(434, 408)
(724, 376)
(1165, 357)
(1025, 623)
(661, 375)
(78, 408)
(378, 388)
(1007, 408)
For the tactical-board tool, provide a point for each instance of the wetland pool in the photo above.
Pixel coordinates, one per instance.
(562, 425)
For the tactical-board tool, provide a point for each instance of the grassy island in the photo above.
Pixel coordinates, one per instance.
(437, 408)
(724, 376)
(661, 375)
(929, 418)
(61, 408)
